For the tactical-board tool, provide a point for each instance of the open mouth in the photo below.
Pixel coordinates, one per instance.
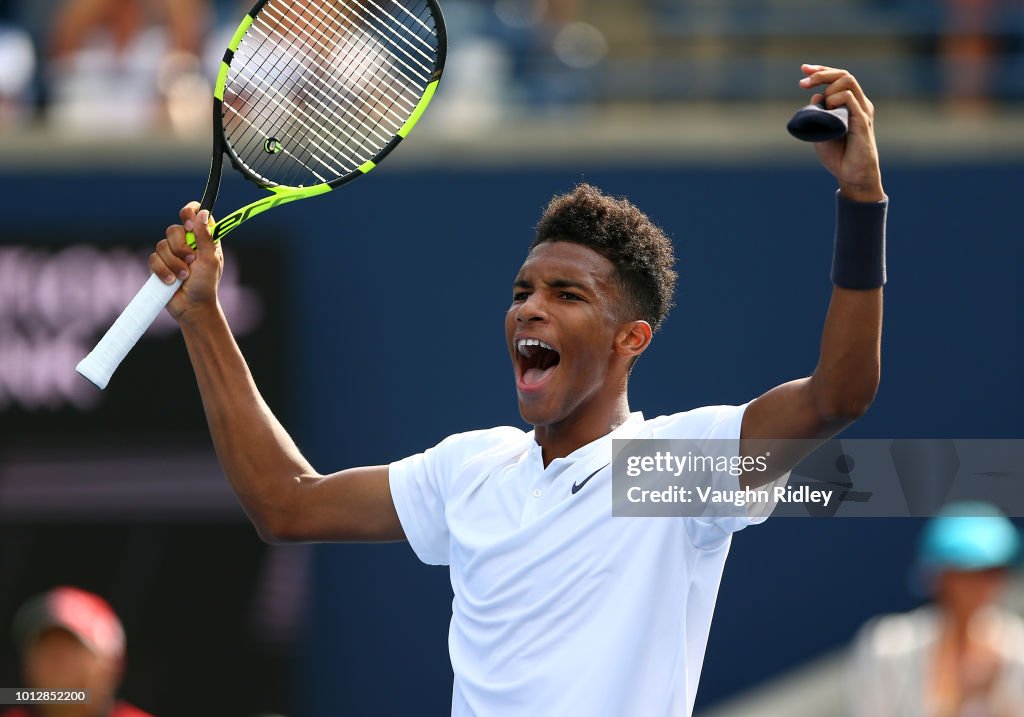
(536, 360)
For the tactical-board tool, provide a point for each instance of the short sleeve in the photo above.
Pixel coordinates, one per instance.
(722, 424)
(420, 487)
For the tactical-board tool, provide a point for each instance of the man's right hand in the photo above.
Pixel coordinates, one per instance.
(200, 269)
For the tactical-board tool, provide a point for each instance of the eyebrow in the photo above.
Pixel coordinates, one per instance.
(555, 284)
(568, 284)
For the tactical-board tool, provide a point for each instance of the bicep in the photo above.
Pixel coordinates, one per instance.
(350, 505)
(786, 411)
(787, 423)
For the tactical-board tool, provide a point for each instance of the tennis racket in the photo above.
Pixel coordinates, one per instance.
(310, 95)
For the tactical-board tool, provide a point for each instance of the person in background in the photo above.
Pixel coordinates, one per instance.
(70, 639)
(17, 58)
(125, 19)
(128, 65)
(962, 655)
(969, 53)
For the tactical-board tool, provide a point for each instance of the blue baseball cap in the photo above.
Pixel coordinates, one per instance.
(967, 536)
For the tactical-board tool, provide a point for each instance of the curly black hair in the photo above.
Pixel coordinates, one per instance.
(618, 231)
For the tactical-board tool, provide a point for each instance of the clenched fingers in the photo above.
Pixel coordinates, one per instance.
(203, 233)
(188, 213)
(837, 80)
(172, 256)
(166, 264)
(847, 98)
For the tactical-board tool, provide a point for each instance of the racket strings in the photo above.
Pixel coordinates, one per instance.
(317, 128)
(373, 79)
(420, 70)
(364, 57)
(317, 88)
(415, 84)
(356, 137)
(308, 125)
(282, 101)
(382, 24)
(315, 44)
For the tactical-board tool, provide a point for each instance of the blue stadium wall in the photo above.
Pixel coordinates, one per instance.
(398, 287)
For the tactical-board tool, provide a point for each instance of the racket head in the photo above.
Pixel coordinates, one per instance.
(314, 93)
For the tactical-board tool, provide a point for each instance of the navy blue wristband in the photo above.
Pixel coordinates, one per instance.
(859, 258)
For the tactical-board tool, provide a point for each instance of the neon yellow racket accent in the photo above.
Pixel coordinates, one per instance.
(421, 106)
(222, 77)
(366, 167)
(282, 195)
(239, 33)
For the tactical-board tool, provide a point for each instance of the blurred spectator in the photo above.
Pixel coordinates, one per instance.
(128, 65)
(70, 639)
(17, 68)
(962, 656)
(968, 53)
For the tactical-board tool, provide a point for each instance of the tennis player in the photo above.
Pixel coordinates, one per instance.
(559, 608)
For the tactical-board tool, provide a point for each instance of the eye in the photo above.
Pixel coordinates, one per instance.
(570, 296)
(519, 296)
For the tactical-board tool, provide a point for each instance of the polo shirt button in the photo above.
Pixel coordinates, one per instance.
(536, 492)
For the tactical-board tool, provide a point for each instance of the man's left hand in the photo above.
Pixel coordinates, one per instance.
(853, 159)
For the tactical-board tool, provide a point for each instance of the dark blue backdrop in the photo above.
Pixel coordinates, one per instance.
(400, 286)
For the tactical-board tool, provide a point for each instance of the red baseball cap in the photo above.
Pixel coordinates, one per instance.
(85, 615)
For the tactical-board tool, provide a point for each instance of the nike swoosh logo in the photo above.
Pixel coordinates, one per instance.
(576, 486)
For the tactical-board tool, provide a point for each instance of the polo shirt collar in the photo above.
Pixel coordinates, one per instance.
(583, 453)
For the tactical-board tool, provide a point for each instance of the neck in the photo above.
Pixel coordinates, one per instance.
(958, 626)
(67, 710)
(586, 425)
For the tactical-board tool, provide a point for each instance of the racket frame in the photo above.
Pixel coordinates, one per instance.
(282, 194)
(99, 365)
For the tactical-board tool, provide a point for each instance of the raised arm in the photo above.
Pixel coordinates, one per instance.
(846, 377)
(286, 499)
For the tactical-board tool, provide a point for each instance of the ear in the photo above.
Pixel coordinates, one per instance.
(633, 338)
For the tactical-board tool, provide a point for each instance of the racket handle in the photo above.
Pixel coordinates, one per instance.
(103, 360)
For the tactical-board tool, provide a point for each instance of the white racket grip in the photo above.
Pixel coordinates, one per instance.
(103, 360)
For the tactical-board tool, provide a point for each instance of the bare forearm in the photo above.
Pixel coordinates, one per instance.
(846, 377)
(258, 456)
(285, 498)
(847, 374)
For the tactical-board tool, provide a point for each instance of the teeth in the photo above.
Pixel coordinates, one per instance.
(523, 344)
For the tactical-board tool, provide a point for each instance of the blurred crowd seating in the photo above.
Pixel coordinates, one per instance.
(132, 65)
(966, 52)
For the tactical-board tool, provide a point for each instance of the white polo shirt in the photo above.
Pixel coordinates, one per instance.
(561, 609)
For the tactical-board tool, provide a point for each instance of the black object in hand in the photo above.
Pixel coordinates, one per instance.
(816, 123)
